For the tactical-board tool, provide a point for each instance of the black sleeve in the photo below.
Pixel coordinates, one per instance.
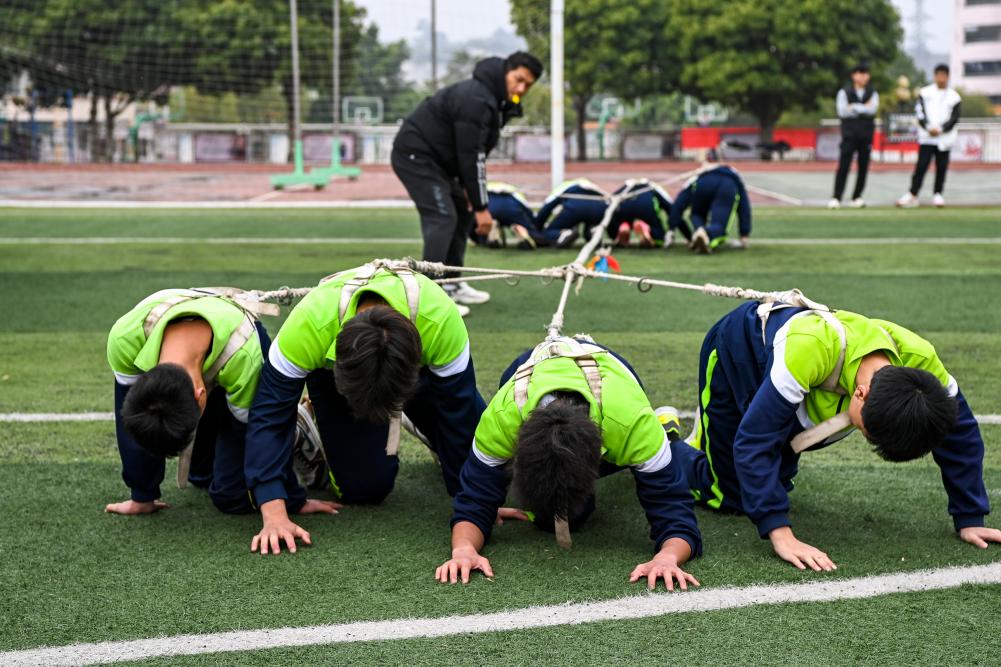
(472, 125)
(953, 119)
(141, 471)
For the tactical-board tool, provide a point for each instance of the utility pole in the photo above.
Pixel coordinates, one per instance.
(556, 132)
(434, 46)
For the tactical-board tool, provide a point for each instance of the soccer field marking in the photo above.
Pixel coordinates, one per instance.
(234, 203)
(823, 589)
(38, 417)
(342, 240)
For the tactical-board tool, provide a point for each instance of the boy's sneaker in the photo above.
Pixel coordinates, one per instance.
(622, 238)
(938, 200)
(643, 231)
(908, 201)
(858, 202)
(700, 242)
(525, 240)
(668, 239)
(463, 310)
(462, 293)
(670, 420)
(566, 238)
(834, 204)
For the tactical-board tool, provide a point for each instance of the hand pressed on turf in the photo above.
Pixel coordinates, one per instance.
(277, 528)
(135, 507)
(312, 506)
(666, 565)
(510, 513)
(463, 561)
(979, 536)
(800, 554)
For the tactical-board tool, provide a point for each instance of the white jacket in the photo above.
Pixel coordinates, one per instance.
(937, 108)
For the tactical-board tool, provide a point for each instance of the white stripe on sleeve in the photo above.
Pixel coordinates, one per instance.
(492, 461)
(454, 367)
(283, 365)
(241, 414)
(659, 461)
(125, 379)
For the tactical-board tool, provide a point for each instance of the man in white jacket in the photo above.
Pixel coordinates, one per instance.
(937, 112)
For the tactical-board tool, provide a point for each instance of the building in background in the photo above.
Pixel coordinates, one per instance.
(976, 48)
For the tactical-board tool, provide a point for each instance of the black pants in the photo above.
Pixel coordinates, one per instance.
(441, 203)
(925, 153)
(850, 146)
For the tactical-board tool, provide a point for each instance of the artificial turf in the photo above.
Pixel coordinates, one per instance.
(73, 574)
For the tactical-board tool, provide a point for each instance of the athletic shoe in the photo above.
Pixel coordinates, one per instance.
(668, 239)
(833, 204)
(643, 231)
(938, 200)
(463, 310)
(700, 242)
(670, 420)
(566, 238)
(622, 238)
(462, 293)
(308, 459)
(737, 244)
(525, 240)
(908, 201)
(858, 202)
(495, 238)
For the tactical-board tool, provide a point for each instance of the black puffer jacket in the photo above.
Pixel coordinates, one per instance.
(459, 125)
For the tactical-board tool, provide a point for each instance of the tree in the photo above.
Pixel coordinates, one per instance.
(613, 46)
(767, 56)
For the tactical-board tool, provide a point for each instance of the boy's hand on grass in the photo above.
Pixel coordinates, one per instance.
(277, 527)
(510, 513)
(800, 554)
(312, 506)
(463, 561)
(979, 536)
(134, 507)
(663, 566)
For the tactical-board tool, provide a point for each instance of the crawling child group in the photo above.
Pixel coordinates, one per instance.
(380, 348)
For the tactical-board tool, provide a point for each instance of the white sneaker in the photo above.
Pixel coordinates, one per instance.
(833, 204)
(908, 201)
(700, 242)
(668, 239)
(463, 293)
(858, 202)
(463, 310)
(938, 200)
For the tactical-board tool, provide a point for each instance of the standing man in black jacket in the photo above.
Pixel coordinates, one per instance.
(857, 105)
(441, 151)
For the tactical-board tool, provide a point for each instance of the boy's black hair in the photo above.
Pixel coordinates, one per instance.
(557, 458)
(941, 67)
(526, 60)
(378, 361)
(160, 410)
(907, 414)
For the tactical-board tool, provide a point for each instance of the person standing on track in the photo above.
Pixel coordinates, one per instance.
(937, 111)
(441, 151)
(857, 105)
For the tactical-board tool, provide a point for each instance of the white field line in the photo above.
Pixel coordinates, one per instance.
(36, 417)
(235, 203)
(340, 240)
(774, 195)
(824, 589)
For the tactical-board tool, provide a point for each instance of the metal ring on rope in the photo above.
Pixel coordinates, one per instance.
(513, 281)
(643, 285)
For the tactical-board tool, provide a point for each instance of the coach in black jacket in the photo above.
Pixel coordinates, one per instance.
(441, 150)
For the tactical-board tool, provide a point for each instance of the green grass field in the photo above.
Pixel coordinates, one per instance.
(74, 574)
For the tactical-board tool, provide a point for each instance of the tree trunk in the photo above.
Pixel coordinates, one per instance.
(93, 145)
(580, 108)
(766, 124)
(109, 130)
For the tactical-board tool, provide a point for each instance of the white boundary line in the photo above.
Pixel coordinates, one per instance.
(235, 203)
(41, 417)
(631, 607)
(342, 240)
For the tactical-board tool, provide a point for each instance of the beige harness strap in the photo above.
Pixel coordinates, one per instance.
(230, 294)
(820, 432)
(562, 530)
(184, 465)
(412, 288)
(564, 347)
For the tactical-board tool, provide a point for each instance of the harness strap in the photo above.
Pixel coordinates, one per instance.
(820, 310)
(184, 465)
(567, 348)
(233, 295)
(822, 431)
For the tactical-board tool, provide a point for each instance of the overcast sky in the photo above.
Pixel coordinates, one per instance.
(465, 19)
